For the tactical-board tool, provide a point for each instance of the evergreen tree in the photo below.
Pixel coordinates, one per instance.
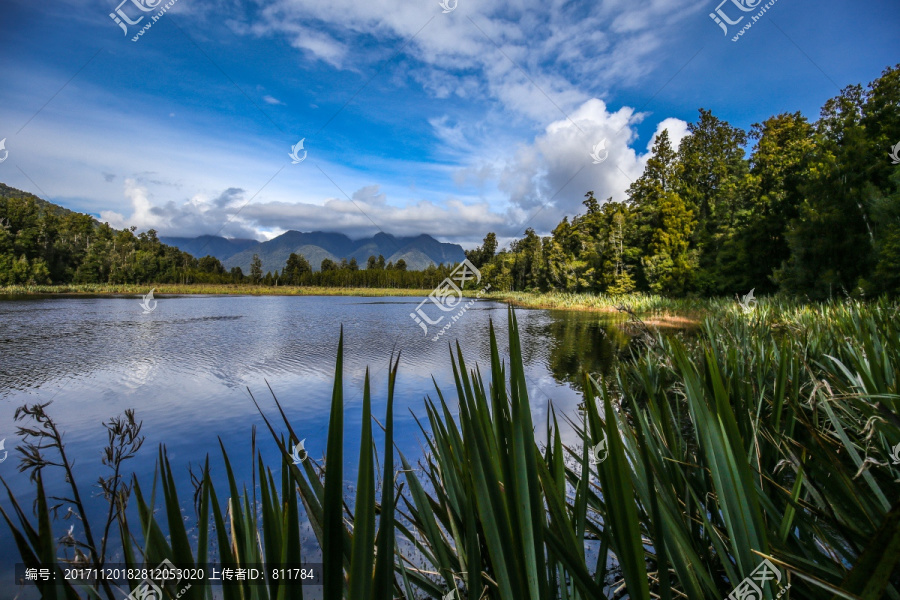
(255, 269)
(295, 269)
(665, 223)
(712, 179)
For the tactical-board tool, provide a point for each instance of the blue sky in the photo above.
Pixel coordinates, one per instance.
(415, 120)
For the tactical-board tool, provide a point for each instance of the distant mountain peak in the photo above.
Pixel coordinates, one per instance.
(418, 252)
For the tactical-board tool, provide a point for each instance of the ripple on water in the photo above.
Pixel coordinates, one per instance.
(189, 367)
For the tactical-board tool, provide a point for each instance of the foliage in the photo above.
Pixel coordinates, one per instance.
(814, 210)
(40, 244)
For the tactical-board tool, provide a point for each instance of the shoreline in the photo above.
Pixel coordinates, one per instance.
(200, 289)
(661, 312)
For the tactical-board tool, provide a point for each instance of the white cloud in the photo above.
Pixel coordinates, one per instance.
(532, 56)
(542, 181)
(197, 215)
(678, 130)
(367, 213)
(547, 178)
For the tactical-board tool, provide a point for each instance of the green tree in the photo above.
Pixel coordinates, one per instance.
(483, 254)
(210, 264)
(617, 272)
(831, 241)
(255, 269)
(670, 267)
(665, 223)
(783, 145)
(527, 259)
(296, 269)
(712, 180)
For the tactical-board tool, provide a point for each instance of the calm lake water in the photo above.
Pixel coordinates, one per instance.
(188, 369)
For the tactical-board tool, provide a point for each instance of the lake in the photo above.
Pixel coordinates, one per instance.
(189, 366)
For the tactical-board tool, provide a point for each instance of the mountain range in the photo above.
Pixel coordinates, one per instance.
(418, 252)
(213, 245)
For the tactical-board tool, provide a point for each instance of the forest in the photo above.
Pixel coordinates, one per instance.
(812, 211)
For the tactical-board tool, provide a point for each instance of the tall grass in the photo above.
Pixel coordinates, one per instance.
(648, 304)
(767, 435)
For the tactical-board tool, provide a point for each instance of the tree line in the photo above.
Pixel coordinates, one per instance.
(376, 274)
(41, 243)
(814, 211)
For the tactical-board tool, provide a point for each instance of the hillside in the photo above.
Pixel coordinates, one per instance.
(212, 245)
(43, 205)
(42, 243)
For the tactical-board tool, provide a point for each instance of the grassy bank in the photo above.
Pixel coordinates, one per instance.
(645, 304)
(655, 311)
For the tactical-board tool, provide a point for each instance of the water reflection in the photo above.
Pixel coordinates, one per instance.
(189, 366)
(581, 342)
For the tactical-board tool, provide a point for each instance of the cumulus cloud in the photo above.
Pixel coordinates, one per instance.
(547, 178)
(365, 214)
(678, 130)
(544, 180)
(197, 215)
